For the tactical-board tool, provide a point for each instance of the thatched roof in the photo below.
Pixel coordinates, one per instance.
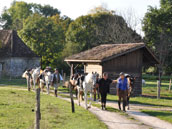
(109, 51)
(12, 46)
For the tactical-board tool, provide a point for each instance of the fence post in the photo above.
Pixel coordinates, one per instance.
(37, 113)
(71, 97)
(169, 86)
(158, 89)
(64, 79)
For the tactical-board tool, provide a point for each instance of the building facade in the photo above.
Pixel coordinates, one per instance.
(115, 58)
(15, 56)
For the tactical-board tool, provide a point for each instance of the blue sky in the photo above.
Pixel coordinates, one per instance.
(75, 8)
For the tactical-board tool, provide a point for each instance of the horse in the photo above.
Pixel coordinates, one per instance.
(96, 89)
(42, 80)
(28, 77)
(131, 88)
(35, 76)
(143, 82)
(88, 85)
(48, 79)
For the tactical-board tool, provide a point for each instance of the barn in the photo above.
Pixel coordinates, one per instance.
(116, 58)
(15, 56)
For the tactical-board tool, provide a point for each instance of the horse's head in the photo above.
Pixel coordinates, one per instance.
(131, 82)
(91, 78)
(94, 77)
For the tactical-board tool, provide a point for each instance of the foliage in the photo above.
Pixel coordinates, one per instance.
(54, 37)
(157, 26)
(98, 28)
(45, 37)
(13, 17)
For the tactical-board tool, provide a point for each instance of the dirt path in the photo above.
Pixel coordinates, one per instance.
(114, 120)
(144, 118)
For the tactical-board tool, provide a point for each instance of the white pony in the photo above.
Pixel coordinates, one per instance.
(48, 80)
(35, 75)
(88, 85)
(143, 82)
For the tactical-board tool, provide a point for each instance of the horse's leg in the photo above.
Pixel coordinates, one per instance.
(47, 85)
(76, 93)
(91, 96)
(94, 94)
(79, 96)
(28, 83)
(85, 97)
(98, 93)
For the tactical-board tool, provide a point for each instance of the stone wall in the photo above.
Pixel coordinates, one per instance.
(15, 66)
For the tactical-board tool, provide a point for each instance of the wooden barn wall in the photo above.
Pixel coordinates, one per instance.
(130, 63)
(93, 67)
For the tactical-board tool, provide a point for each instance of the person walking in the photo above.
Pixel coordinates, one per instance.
(122, 90)
(104, 88)
(56, 81)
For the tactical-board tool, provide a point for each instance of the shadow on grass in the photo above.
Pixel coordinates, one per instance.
(158, 113)
(141, 103)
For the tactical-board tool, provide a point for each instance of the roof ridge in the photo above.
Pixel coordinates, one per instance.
(121, 44)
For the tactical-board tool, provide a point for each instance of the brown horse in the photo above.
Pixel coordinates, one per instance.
(131, 80)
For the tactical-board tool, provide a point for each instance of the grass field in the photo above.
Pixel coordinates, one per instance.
(163, 115)
(150, 90)
(16, 112)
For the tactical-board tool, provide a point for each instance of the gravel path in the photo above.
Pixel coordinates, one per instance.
(154, 122)
(114, 120)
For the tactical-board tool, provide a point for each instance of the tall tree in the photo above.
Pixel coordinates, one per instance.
(45, 37)
(13, 17)
(98, 28)
(157, 26)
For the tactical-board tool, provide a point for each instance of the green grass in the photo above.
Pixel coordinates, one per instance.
(151, 89)
(16, 112)
(145, 101)
(20, 82)
(163, 115)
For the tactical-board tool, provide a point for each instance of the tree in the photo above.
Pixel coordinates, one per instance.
(157, 26)
(98, 28)
(44, 37)
(13, 17)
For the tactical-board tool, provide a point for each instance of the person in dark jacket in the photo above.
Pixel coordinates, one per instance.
(104, 89)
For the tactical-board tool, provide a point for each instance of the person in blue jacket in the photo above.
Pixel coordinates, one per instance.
(122, 90)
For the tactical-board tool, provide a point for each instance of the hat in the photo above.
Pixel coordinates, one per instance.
(122, 73)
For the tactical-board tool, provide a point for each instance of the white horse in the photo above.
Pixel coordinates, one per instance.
(88, 85)
(35, 75)
(143, 82)
(28, 77)
(48, 80)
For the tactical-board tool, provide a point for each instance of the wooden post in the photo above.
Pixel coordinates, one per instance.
(158, 89)
(169, 86)
(71, 97)
(64, 79)
(37, 113)
(71, 70)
